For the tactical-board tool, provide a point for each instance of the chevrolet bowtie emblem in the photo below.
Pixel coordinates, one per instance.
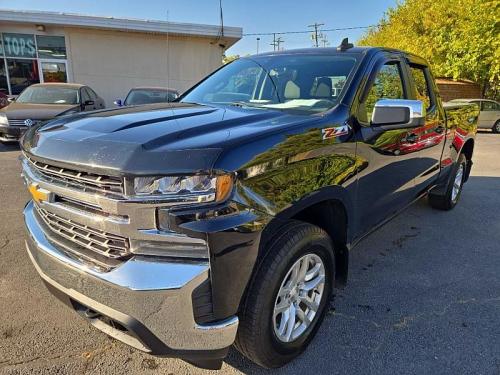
(39, 194)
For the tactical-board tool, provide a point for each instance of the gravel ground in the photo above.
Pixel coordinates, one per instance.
(423, 297)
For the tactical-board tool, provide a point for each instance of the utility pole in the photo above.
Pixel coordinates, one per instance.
(324, 40)
(315, 35)
(258, 39)
(278, 43)
(274, 44)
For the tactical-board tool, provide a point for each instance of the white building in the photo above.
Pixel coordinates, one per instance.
(111, 55)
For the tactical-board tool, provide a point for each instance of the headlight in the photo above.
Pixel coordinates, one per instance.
(203, 188)
(3, 119)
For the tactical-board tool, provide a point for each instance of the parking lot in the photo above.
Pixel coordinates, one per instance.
(423, 297)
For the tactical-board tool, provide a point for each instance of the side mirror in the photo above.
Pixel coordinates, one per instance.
(88, 102)
(118, 103)
(11, 100)
(398, 113)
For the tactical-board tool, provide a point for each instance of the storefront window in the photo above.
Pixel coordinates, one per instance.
(22, 73)
(19, 45)
(23, 55)
(51, 47)
(54, 72)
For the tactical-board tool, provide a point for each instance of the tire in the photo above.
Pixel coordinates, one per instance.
(496, 127)
(454, 188)
(258, 337)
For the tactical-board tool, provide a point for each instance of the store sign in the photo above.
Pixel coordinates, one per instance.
(19, 45)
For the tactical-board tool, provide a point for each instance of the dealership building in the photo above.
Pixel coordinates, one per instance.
(111, 55)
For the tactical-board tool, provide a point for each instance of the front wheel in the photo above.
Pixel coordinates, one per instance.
(288, 296)
(454, 187)
(496, 127)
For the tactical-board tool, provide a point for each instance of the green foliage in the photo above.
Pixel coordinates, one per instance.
(228, 59)
(301, 164)
(287, 183)
(387, 85)
(459, 38)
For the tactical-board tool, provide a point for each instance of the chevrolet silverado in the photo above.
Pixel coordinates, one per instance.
(227, 217)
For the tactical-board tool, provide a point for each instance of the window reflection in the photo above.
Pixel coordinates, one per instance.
(4, 88)
(22, 73)
(51, 47)
(54, 72)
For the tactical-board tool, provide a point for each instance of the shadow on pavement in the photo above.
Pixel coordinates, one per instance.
(6, 147)
(411, 305)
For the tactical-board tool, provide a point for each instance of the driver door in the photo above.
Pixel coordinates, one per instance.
(387, 183)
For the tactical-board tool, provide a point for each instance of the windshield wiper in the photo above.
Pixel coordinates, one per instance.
(242, 104)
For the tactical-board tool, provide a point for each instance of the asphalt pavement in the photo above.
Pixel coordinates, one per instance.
(423, 297)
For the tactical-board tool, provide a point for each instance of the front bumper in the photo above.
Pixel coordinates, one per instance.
(145, 302)
(11, 133)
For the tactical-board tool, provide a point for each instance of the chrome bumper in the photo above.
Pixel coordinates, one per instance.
(149, 298)
(11, 133)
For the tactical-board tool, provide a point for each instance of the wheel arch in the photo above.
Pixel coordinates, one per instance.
(330, 209)
(468, 151)
(331, 216)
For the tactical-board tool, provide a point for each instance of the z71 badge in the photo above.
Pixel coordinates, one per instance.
(335, 132)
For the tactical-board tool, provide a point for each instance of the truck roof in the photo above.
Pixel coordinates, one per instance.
(333, 50)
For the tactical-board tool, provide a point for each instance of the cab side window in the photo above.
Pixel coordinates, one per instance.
(489, 106)
(92, 94)
(85, 95)
(388, 84)
(422, 87)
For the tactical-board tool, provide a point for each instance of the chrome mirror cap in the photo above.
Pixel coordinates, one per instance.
(401, 112)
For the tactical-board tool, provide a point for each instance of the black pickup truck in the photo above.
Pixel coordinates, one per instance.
(227, 217)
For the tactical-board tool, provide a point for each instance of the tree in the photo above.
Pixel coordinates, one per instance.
(228, 59)
(459, 38)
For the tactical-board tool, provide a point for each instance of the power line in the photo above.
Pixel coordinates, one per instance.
(309, 31)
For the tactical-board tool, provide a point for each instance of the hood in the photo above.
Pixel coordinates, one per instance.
(21, 111)
(152, 139)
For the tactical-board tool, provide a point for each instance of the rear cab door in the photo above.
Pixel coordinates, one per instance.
(429, 139)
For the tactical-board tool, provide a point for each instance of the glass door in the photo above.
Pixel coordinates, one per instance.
(53, 70)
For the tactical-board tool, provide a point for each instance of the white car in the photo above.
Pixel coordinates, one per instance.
(489, 115)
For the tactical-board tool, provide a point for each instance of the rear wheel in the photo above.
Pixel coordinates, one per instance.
(453, 189)
(496, 127)
(288, 296)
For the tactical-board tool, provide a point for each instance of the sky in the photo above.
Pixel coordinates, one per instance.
(254, 16)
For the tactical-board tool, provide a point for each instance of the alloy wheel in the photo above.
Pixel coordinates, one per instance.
(299, 298)
(457, 184)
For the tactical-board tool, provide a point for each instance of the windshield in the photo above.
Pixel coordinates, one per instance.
(148, 96)
(310, 83)
(48, 95)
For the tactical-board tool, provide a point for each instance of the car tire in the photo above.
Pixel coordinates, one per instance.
(263, 334)
(496, 127)
(454, 188)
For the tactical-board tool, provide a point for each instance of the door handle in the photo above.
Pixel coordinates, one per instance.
(411, 138)
(439, 129)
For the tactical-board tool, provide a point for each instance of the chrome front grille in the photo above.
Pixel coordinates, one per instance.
(78, 179)
(21, 122)
(97, 241)
(79, 215)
